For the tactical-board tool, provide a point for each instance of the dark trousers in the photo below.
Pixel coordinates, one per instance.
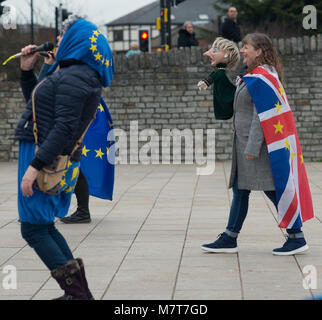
(81, 191)
(48, 242)
(239, 209)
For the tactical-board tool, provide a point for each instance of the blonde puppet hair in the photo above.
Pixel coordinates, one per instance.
(230, 48)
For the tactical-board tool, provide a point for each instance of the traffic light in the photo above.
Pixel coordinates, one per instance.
(165, 27)
(158, 23)
(61, 14)
(65, 14)
(144, 40)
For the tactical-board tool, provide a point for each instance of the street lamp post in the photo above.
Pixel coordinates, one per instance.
(168, 5)
(32, 20)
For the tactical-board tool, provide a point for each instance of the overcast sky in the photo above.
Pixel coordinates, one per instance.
(98, 11)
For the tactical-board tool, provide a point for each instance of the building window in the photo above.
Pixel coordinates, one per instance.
(203, 17)
(118, 35)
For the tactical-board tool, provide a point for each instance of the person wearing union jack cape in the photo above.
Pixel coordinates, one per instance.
(267, 154)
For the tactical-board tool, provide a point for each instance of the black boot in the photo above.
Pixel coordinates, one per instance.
(70, 280)
(81, 215)
(85, 284)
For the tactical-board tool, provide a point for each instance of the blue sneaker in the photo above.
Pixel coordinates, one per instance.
(291, 246)
(224, 244)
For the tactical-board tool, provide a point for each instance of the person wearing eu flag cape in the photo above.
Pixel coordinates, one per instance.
(65, 103)
(266, 153)
(96, 173)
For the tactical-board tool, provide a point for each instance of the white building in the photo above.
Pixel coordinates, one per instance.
(123, 31)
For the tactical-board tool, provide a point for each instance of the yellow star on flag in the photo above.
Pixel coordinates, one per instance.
(302, 159)
(93, 48)
(107, 150)
(69, 164)
(74, 174)
(107, 63)
(278, 106)
(278, 127)
(96, 33)
(292, 155)
(287, 144)
(97, 56)
(84, 151)
(282, 91)
(93, 39)
(99, 153)
(100, 107)
(62, 182)
(70, 189)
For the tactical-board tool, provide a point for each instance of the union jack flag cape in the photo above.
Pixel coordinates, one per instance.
(294, 201)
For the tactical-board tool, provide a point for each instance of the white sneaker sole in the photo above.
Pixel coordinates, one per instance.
(223, 250)
(289, 253)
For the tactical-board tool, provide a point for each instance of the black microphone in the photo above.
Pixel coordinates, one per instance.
(47, 46)
(44, 54)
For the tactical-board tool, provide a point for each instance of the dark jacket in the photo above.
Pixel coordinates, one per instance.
(230, 30)
(223, 92)
(186, 39)
(65, 103)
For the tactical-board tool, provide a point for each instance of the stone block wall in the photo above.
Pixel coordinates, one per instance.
(158, 91)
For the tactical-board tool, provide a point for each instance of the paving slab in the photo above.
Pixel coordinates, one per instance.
(145, 244)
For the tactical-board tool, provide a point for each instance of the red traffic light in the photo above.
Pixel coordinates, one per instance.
(144, 35)
(144, 40)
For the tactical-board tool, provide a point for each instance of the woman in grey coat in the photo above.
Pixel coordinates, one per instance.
(251, 169)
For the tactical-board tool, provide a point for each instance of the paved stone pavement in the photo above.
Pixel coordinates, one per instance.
(145, 244)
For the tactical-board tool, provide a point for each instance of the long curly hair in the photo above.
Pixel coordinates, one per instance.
(269, 54)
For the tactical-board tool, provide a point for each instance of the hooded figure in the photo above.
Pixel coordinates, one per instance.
(65, 102)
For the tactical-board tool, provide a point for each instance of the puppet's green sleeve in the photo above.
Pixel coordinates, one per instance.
(224, 92)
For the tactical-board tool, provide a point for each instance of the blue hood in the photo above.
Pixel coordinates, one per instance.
(85, 42)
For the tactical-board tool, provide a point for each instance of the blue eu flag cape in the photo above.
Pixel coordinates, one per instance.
(97, 162)
(83, 41)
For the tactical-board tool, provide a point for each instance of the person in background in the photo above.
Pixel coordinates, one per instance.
(187, 36)
(230, 27)
(134, 49)
(82, 213)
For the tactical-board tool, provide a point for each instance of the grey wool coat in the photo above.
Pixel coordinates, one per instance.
(249, 139)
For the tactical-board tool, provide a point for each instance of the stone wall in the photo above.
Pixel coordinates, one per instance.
(11, 106)
(159, 91)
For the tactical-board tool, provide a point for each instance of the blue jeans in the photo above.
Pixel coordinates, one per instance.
(239, 209)
(49, 244)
